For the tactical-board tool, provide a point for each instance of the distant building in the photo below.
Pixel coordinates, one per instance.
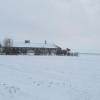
(33, 48)
(27, 48)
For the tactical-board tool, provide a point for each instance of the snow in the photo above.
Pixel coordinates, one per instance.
(49, 78)
(35, 45)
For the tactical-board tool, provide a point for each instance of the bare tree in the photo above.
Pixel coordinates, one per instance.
(8, 42)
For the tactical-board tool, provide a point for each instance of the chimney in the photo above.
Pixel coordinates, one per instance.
(27, 41)
(45, 42)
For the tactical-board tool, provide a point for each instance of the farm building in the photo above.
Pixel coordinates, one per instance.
(28, 47)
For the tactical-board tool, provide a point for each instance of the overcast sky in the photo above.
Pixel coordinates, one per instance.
(68, 23)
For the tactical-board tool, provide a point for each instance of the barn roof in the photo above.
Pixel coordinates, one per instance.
(36, 45)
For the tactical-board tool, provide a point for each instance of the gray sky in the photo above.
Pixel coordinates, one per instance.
(68, 23)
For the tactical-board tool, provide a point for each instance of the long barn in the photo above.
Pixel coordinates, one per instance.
(28, 47)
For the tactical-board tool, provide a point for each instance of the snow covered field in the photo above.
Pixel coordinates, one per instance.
(49, 78)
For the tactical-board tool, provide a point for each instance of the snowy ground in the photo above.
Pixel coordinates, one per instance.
(49, 78)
